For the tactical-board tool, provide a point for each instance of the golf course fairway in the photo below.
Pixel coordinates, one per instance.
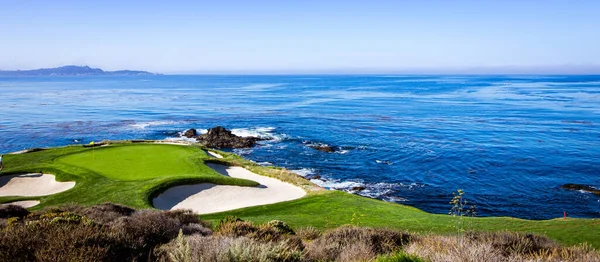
(133, 174)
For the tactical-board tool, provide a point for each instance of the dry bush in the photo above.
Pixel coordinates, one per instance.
(186, 216)
(501, 246)
(235, 228)
(221, 248)
(308, 233)
(245, 249)
(332, 244)
(145, 229)
(191, 229)
(450, 248)
(55, 240)
(106, 213)
(514, 243)
(359, 251)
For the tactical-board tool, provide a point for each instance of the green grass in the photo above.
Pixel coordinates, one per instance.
(332, 209)
(131, 174)
(139, 162)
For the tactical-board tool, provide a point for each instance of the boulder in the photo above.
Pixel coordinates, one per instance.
(358, 188)
(190, 133)
(323, 148)
(219, 137)
(585, 188)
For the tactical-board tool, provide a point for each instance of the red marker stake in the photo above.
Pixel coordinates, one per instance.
(565, 214)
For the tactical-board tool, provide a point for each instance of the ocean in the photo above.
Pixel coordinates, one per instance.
(509, 142)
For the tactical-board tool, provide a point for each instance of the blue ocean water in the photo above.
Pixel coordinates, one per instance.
(508, 141)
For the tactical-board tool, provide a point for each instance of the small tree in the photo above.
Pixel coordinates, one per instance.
(460, 209)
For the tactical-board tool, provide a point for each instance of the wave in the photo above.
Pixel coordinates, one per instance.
(144, 125)
(305, 172)
(267, 133)
(382, 190)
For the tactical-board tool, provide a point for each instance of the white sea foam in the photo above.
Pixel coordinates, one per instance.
(262, 132)
(304, 171)
(385, 162)
(336, 184)
(144, 125)
(242, 151)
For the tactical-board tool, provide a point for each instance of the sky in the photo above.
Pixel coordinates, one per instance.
(428, 36)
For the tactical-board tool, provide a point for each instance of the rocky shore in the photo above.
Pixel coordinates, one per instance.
(218, 137)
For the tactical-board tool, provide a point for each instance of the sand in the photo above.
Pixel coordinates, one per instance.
(213, 154)
(210, 198)
(25, 204)
(34, 184)
(19, 152)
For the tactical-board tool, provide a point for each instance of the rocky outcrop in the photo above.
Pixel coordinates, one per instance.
(219, 137)
(190, 133)
(323, 148)
(358, 188)
(585, 188)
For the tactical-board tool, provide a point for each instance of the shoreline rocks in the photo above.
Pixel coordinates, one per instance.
(218, 137)
(190, 133)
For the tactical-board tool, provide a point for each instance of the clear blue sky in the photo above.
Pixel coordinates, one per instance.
(303, 36)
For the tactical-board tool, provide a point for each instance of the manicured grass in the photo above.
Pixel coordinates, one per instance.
(131, 174)
(139, 162)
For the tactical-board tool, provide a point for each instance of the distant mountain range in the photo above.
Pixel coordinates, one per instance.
(72, 70)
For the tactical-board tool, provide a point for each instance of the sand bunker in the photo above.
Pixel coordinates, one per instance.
(213, 154)
(32, 185)
(25, 204)
(210, 198)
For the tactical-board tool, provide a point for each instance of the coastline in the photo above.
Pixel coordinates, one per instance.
(319, 208)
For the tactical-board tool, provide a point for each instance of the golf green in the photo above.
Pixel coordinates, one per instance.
(137, 162)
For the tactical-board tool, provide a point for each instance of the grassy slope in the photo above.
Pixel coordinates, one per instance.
(334, 208)
(321, 209)
(95, 187)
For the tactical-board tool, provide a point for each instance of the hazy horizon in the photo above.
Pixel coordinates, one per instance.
(312, 37)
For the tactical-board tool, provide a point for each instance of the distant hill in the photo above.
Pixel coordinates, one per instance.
(72, 70)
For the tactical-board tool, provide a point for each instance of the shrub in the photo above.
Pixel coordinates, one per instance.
(371, 242)
(106, 213)
(244, 249)
(145, 229)
(191, 229)
(235, 228)
(47, 241)
(308, 233)
(281, 227)
(186, 217)
(9, 211)
(514, 243)
(502, 246)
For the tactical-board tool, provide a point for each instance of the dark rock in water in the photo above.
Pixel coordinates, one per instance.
(358, 188)
(219, 137)
(316, 177)
(323, 148)
(581, 187)
(190, 133)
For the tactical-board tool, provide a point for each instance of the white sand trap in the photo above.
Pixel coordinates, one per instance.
(19, 152)
(34, 184)
(210, 198)
(25, 204)
(213, 154)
